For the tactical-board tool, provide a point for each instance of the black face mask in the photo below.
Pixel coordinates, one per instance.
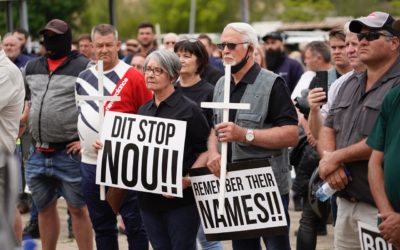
(237, 67)
(58, 45)
(274, 59)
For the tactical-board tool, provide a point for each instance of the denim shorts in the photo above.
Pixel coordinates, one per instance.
(51, 175)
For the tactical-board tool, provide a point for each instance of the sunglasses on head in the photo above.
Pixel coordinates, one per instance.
(189, 39)
(231, 46)
(371, 36)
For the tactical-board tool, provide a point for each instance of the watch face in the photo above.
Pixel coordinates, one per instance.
(249, 135)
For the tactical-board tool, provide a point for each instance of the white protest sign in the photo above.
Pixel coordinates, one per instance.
(371, 239)
(252, 204)
(142, 153)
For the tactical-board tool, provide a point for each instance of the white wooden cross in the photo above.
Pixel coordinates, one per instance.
(101, 99)
(226, 105)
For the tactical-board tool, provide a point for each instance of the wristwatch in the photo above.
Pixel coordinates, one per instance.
(249, 135)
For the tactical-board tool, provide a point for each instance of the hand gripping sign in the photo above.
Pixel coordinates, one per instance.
(371, 238)
(252, 204)
(142, 153)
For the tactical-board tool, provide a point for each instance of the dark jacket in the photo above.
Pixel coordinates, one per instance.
(54, 113)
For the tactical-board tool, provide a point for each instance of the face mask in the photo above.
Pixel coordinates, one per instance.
(58, 46)
(274, 59)
(237, 67)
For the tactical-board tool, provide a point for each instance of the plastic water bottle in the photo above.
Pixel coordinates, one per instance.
(28, 244)
(325, 191)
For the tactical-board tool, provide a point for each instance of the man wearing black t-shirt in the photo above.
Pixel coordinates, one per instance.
(264, 131)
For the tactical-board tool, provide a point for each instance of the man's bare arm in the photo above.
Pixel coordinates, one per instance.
(214, 157)
(376, 182)
(327, 140)
(272, 138)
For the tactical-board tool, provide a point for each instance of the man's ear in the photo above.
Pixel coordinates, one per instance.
(252, 47)
(119, 43)
(396, 43)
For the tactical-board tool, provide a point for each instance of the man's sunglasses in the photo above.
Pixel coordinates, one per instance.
(371, 36)
(231, 46)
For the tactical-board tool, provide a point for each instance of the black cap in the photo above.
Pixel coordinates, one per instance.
(375, 21)
(275, 35)
(57, 26)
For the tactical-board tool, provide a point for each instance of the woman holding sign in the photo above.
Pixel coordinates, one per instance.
(193, 57)
(172, 223)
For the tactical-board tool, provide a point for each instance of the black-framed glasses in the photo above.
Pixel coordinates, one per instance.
(157, 71)
(231, 46)
(371, 36)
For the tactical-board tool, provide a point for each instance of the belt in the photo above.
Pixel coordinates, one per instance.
(347, 197)
(50, 146)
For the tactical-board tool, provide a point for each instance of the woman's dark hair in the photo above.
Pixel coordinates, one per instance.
(194, 47)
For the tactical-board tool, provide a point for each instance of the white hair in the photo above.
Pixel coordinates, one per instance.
(171, 35)
(249, 33)
(346, 28)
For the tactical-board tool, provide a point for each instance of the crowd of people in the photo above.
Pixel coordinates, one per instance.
(345, 134)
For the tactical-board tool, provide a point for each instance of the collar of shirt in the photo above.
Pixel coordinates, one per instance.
(392, 72)
(171, 100)
(251, 75)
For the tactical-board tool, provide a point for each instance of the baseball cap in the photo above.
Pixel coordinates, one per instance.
(56, 25)
(275, 35)
(375, 21)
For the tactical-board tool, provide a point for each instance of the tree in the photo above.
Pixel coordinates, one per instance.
(306, 10)
(40, 12)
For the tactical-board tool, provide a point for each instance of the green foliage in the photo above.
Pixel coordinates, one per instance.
(306, 10)
(173, 15)
(357, 8)
(40, 12)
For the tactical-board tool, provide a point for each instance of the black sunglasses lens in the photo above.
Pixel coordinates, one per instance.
(231, 46)
(369, 36)
(374, 36)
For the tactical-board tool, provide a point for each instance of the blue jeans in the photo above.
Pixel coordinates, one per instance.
(280, 242)
(50, 175)
(34, 212)
(104, 220)
(205, 244)
(175, 229)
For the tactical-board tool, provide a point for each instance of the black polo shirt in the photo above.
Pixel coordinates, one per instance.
(281, 110)
(202, 91)
(178, 107)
